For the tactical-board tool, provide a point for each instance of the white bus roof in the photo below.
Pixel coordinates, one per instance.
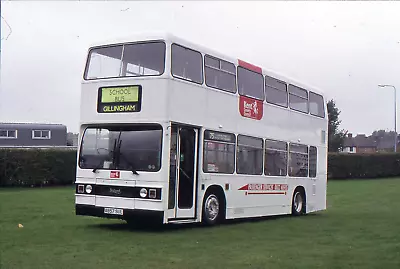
(171, 38)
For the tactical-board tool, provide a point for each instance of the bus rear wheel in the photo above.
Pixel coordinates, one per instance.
(298, 202)
(212, 210)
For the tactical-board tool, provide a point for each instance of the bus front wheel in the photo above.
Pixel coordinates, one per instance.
(212, 209)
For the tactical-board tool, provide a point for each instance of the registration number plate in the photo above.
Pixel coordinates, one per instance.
(113, 211)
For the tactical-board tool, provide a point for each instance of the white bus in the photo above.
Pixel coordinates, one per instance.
(176, 131)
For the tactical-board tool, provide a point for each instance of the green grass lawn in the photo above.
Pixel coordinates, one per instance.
(360, 229)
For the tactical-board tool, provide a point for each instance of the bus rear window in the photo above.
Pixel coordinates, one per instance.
(140, 59)
(317, 105)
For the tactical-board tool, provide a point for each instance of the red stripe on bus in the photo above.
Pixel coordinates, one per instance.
(245, 187)
(281, 192)
(250, 66)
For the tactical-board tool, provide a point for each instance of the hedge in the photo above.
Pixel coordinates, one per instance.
(55, 167)
(37, 167)
(353, 166)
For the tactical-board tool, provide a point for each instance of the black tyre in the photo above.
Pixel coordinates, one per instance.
(212, 209)
(298, 203)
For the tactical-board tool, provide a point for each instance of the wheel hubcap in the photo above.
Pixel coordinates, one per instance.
(212, 207)
(298, 202)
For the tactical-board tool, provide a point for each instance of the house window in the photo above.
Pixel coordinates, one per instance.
(41, 134)
(8, 134)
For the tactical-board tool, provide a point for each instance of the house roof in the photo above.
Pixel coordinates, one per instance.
(363, 141)
(360, 141)
(26, 125)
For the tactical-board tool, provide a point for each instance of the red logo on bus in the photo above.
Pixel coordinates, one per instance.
(115, 174)
(251, 108)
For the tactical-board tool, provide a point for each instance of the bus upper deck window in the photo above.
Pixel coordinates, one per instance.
(138, 59)
(146, 59)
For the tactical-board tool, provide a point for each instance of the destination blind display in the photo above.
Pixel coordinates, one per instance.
(120, 99)
(219, 136)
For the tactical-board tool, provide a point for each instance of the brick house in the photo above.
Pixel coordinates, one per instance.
(359, 144)
(368, 144)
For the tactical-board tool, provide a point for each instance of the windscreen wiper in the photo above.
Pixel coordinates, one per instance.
(100, 165)
(125, 159)
(101, 162)
(116, 154)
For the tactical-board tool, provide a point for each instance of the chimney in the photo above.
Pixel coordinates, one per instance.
(350, 135)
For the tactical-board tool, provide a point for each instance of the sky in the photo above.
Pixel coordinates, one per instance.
(344, 48)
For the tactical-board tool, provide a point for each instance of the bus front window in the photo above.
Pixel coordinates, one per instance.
(124, 148)
(128, 60)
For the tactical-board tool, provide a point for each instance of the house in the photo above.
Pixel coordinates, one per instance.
(32, 135)
(359, 144)
(368, 144)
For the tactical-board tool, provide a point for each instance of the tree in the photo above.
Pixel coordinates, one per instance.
(385, 140)
(335, 136)
(72, 139)
(383, 134)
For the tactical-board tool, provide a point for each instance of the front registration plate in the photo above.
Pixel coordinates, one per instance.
(113, 211)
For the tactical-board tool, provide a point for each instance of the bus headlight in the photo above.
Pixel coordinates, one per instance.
(88, 188)
(143, 193)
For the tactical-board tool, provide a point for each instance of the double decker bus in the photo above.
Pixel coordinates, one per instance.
(176, 131)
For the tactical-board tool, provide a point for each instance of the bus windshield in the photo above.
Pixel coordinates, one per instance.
(128, 60)
(124, 148)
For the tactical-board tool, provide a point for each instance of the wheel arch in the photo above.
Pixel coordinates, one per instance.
(219, 191)
(301, 189)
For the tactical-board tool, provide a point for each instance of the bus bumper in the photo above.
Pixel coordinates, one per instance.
(98, 211)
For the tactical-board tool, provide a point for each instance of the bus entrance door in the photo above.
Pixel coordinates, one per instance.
(183, 172)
